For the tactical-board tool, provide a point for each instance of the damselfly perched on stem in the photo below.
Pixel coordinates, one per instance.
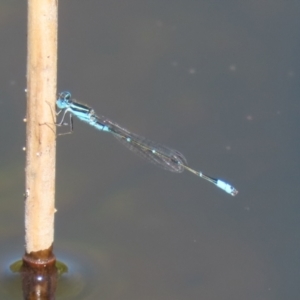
(165, 157)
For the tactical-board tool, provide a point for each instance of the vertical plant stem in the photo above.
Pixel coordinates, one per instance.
(41, 131)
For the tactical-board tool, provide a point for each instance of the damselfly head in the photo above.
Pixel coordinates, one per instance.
(64, 100)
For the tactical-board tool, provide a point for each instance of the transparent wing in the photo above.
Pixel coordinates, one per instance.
(162, 156)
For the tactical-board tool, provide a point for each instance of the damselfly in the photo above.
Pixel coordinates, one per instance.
(162, 156)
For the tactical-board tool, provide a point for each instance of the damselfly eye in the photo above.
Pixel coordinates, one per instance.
(65, 95)
(68, 96)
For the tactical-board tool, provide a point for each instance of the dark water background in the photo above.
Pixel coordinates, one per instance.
(217, 80)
